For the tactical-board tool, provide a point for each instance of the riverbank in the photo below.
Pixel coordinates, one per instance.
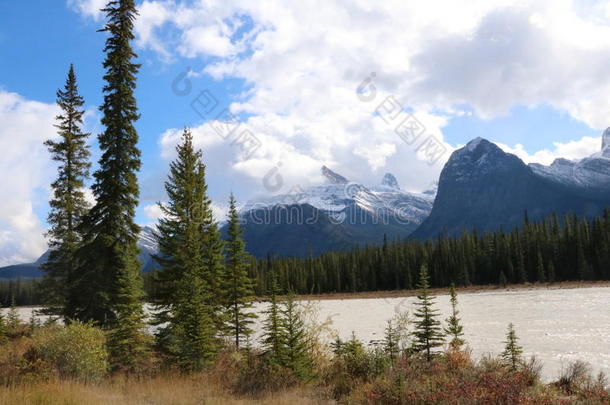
(567, 285)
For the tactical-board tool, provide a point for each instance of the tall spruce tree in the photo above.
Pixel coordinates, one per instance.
(273, 339)
(454, 328)
(238, 287)
(109, 280)
(188, 335)
(427, 334)
(68, 205)
(512, 351)
(213, 256)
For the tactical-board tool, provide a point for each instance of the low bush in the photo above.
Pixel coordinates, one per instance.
(353, 365)
(454, 379)
(13, 366)
(576, 379)
(258, 375)
(75, 351)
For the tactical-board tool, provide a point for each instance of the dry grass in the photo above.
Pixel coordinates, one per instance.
(161, 390)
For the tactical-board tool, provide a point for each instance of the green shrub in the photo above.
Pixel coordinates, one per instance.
(76, 351)
(352, 365)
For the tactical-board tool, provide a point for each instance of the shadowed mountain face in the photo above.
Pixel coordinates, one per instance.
(301, 230)
(485, 188)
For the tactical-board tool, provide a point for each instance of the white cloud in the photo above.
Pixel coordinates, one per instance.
(541, 53)
(302, 63)
(377, 155)
(26, 172)
(153, 212)
(203, 138)
(88, 8)
(436, 57)
(572, 150)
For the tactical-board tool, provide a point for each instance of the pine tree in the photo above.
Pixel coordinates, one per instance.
(12, 318)
(68, 205)
(188, 335)
(273, 333)
(108, 279)
(454, 328)
(427, 334)
(237, 284)
(296, 351)
(213, 260)
(512, 351)
(391, 341)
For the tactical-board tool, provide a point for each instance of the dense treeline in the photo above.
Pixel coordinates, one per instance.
(548, 251)
(20, 292)
(553, 250)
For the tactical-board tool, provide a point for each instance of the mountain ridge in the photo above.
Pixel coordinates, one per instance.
(482, 187)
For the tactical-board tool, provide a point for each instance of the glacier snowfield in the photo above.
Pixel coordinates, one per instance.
(555, 325)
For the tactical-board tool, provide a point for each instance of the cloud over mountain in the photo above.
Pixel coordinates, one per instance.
(26, 172)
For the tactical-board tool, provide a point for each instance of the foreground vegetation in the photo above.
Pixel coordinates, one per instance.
(56, 364)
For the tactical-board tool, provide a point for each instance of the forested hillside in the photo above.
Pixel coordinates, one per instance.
(556, 249)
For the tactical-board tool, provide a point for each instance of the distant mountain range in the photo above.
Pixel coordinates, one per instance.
(480, 187)
(146, 243)
(339, 215)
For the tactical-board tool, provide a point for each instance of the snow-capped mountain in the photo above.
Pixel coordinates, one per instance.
(148, 247)
(485, 188)
(340, 195)
(338, 215)
(589, 175)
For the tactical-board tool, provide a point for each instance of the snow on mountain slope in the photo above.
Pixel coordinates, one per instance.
(146, 240)
(386, 199)
(589, 174)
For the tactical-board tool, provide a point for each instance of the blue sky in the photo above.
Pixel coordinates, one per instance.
(533, 78)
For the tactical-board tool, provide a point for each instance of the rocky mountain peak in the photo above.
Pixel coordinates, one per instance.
(474, 144)
(389, 180)
(606, 139)
(333, 177)
(479, 157)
